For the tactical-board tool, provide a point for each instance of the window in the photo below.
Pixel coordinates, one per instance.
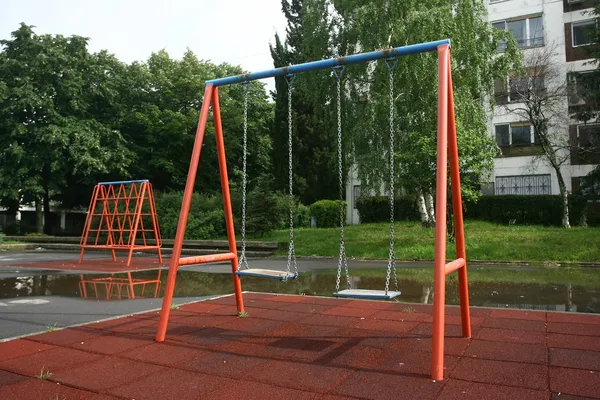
(515, 134)
(528, 32)
(517, 88)
(523, 184)
(587, 145)
(356, 194)
(582, 32)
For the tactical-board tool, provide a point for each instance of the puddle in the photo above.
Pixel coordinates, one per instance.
(564, 297)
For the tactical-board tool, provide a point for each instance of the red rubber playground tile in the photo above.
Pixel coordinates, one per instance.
(578, 382)
(302, 347)
(463, 390)
(36, 389)
(574, 318)
(21, 347)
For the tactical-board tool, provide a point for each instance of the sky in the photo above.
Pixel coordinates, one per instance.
(233, 31)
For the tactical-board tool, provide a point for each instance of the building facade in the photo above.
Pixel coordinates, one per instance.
(561, 27)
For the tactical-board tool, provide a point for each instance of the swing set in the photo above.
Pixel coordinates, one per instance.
(447, 153)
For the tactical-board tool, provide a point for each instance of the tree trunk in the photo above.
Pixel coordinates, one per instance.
(430, 208)
(47, 220)
(422, 208)
(39, 216)
(565, 198)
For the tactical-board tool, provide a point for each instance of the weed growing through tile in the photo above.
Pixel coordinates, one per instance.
(44, 375)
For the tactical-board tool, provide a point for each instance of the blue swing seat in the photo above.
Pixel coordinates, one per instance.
(266, 273)
(367, 294)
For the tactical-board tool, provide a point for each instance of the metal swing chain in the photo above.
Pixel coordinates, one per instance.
(392, 256)
(292, 250)
(342, 260)
(243, 261)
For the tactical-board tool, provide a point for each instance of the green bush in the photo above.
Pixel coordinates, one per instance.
(327, 213)
(282, 210)
(377, 209)
(526, 210)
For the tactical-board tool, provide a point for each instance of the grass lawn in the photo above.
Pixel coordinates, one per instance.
(485, 241)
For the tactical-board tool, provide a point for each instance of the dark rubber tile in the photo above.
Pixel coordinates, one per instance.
(573, 358)
(173, 329)
(207, 320)
(172, 384)
(203, 307)
(529, 376)
(300, 375)
(562, 396)
(463, 390)
(378, 386)
(122, 324)
(250, 325)
(401, 316)
(21, 347)
(37, 389)
(269, 305)
(113, 344)
(307, 308)
(69, 336)
(571, 328)
(353, 356)
(351, 312)
(572, 318)
(425, 329)
(168, 353)
(280, 316)
(391, 327)
(260, 391)
(406, 362)
(370, 305)
(574, 342)
(517, 352)
(8, 378)
(329, 320)
(578, 382)
(457, 320)
(454, 346)
(225, 364)
(515, 324)
(103, 397)
(376, 339)
(105, 373)
(510, 335)
(52, 360)
(253, 312)
(210, 337)
(519, 314)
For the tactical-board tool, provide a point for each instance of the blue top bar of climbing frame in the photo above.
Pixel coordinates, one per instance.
(332, 62)
(122, 182)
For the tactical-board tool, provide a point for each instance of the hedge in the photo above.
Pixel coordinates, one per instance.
(512, 209)
(377, 209)
(327, 213)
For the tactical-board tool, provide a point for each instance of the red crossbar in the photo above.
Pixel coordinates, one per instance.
(455, 265)
(207, 258)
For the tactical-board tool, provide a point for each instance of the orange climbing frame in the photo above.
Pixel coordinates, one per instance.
(119, 214)
(447, 152)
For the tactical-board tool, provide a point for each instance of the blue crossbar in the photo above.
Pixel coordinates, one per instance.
(330, 63)
(122, 182)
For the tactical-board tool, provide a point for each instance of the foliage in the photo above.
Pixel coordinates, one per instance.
(525, 210)
(261, 202)
(327, 213)
(307, 39)
(377, 209)
(53, 128)
(475, 64)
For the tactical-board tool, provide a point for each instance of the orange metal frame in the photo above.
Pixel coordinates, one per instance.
(116, 217)
(447, 151)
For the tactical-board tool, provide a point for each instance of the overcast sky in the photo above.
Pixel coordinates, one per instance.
(233, 31)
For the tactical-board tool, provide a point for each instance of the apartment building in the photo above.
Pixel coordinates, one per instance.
(561, 27)
(558, 25)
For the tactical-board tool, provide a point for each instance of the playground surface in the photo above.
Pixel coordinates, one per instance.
(302, 347)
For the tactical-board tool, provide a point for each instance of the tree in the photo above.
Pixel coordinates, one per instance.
(366, 26)
(314, 138)
(160, 114)
(540, 89)
(50, 128)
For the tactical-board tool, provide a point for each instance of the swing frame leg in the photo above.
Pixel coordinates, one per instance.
(211, 96)
(447, 150)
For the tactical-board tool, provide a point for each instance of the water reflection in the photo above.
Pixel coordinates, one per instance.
(565, 297)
